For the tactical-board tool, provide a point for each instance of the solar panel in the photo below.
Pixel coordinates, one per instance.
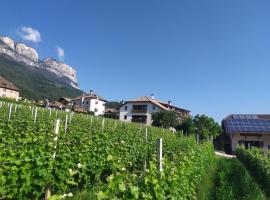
(238, 124)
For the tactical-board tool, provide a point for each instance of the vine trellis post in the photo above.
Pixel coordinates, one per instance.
(56, 133)
(35, 117)
(10, 111)
(146, 141)
(66, 121)
(159, 154)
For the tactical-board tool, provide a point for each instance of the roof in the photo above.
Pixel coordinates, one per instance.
(89, 96)
(65, 98)
(247, 123)
(56, 104)
(6, 84)
(160, 104)
(111, 110)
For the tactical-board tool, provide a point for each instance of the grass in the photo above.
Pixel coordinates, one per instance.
(229, 180)
(205, 191)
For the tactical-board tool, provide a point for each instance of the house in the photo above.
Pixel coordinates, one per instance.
(66, 101)
(90, 103)
(54, 105)
(249, 130)
(141, 109)
(8, 89)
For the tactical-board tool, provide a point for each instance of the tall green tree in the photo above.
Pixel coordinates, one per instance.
(187, 126)
(206, 126)
(165, 119)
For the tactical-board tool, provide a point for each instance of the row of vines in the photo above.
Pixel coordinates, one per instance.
(257, 161)
(116, 160)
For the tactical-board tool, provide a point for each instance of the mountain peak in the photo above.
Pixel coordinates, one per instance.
(20, 52)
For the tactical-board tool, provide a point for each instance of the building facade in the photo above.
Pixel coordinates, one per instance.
(8, 89)
(247, 130)
(140, 110)
(91, 103)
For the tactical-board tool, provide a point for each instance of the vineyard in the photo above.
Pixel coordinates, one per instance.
(258, 163)
(52, 154)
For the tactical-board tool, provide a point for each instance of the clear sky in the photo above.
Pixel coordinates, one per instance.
(211, 57)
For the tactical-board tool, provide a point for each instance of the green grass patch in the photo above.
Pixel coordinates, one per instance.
(228, 179)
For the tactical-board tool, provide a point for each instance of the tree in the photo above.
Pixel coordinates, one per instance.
(165, 119)
(113, 104)
(187, 126)
(206, 126)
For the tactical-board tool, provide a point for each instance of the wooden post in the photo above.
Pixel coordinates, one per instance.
(146, 134)
(198, 138)
(103, 124)
(56, 132)
(50, 112)
(35, 117)
(248, 145)
(91, 122)
(66, 124)
(10, 111)
(159, 154)
(146, 140)
(115, 124)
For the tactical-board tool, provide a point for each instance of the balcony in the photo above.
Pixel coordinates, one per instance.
(139, 119)
(139, 111)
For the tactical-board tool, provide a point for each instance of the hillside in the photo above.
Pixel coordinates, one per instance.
(35, 83)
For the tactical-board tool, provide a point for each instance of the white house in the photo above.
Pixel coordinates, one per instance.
(8, 90)
(141, 109)
(91, 103)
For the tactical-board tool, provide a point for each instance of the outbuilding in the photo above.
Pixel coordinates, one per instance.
(249, 130)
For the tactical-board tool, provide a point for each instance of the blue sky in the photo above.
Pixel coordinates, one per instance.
(211, 57)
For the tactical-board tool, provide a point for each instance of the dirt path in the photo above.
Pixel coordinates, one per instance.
(222, 154)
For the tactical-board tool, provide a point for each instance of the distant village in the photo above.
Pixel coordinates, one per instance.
(245, 129)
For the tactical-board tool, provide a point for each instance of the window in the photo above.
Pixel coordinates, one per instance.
(125, 107)
(96, 102)
(154, 107)
(86, 102)
(96, 110)
(125, 117)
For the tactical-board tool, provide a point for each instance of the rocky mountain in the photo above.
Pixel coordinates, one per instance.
(21, 53)
(36, 78)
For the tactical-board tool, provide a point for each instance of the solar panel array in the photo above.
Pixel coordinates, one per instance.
(244, 116)
(247, 125)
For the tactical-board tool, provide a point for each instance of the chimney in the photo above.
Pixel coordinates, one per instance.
(91, 92)
(170, 103)
(152, 96)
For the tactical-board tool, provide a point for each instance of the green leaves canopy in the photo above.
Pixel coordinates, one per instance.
(165, 119)
(206, 126)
